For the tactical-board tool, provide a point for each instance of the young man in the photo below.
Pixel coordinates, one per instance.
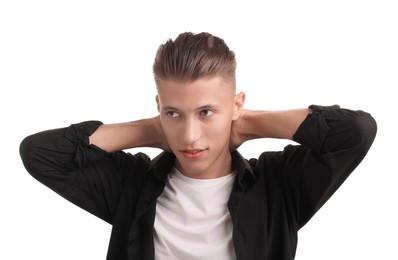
(200, 199)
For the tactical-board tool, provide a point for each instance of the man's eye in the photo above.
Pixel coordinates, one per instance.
(206, 112)
(172, 114)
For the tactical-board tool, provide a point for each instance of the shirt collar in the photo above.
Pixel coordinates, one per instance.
(242, 167)
(162, 164)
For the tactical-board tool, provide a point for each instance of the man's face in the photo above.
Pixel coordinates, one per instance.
(196, 119)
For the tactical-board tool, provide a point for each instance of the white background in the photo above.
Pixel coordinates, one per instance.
(63, 62)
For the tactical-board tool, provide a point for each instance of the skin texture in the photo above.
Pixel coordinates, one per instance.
(196, 119)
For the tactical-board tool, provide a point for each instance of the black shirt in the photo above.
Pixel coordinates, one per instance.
(273, 196)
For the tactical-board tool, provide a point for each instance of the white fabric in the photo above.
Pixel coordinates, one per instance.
(192, 219)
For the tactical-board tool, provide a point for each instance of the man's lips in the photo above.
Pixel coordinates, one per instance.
(192, 153)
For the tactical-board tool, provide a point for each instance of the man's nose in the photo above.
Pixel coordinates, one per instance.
(192, 131)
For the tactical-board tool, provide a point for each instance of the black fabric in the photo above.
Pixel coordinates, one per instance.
(273, 196)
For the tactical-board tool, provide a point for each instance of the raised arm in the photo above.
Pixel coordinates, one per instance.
(333, 141)
(140, 133)
(254, 124)
(84, 162)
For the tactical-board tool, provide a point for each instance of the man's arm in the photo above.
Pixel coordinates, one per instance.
(81, 163)
(333, 141)
(253, 124)
(141, 133)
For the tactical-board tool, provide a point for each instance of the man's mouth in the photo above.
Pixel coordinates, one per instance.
(192, 154)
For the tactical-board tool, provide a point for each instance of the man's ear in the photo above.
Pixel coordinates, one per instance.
(157, 103)
(238, 105)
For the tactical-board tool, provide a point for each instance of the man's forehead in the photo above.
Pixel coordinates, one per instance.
(194, 95)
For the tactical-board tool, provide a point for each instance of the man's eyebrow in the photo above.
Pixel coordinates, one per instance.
(169, 108)
(209, 106)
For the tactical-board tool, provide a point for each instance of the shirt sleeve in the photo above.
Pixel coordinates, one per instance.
(333, 143)
(63, 160)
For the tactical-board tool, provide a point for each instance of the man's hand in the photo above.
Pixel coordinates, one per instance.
(238, 136)
(162, 142)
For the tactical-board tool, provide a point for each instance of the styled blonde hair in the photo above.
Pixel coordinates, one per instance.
(193, 56)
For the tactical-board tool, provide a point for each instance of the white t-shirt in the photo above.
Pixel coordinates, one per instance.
(192, 219)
